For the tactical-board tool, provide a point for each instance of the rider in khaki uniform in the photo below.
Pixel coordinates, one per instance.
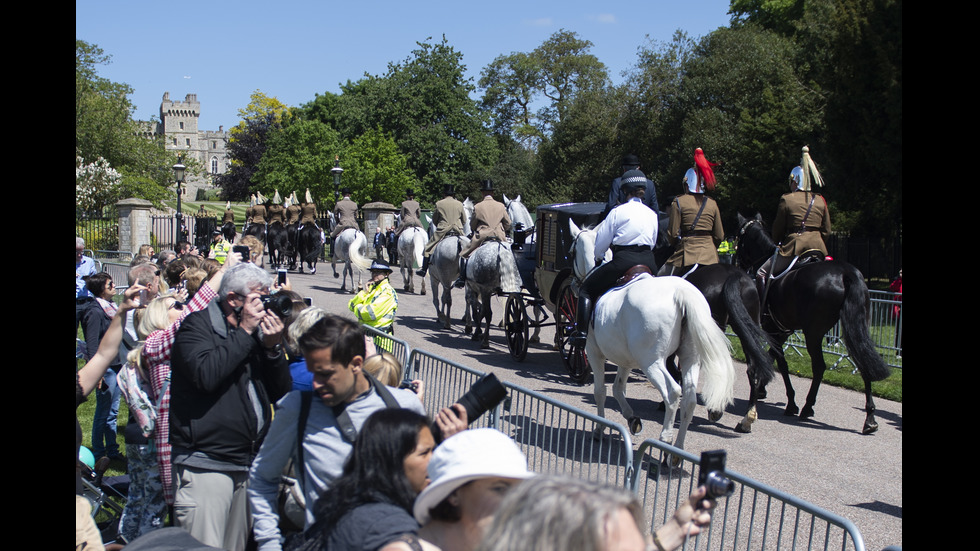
(411, 214)
(293, 210)
(802, 220)
(490, 219)
(259, 210)
(695, 227)
(345, 214)
(276, 211)
(448, 219)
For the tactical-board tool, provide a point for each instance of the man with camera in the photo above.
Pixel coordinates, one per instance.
(227, 368)
(344, 395)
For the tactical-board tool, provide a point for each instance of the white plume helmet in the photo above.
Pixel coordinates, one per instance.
(309, 198)
(276, 199)
(804, 176)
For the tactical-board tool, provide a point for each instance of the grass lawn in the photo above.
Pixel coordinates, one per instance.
(842, 376)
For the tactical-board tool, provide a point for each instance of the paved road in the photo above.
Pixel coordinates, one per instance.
(825, 460)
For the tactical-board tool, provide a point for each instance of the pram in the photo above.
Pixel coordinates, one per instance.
(108, 497)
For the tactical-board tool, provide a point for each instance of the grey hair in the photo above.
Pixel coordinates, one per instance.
(142, 274)
(79, 242)
(241, 278)
(558, 512)
(306, 319)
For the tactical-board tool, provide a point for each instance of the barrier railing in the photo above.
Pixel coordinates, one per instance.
(754, 517)
(388, 343)
(885, 329)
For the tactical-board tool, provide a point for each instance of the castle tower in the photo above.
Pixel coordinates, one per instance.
(179, 125)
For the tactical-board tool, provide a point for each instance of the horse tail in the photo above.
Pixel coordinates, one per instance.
(510, 277)
(747, 328)
(711, 346)
(354, 253)
(418, 246)
(855, 316)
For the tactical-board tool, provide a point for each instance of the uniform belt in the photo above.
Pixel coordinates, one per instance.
(811, 228)
(630, 248)
(696, 233)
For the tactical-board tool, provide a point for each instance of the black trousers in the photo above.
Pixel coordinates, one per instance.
(604, 277)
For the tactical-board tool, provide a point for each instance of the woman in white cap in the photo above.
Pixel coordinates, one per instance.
(470, 474)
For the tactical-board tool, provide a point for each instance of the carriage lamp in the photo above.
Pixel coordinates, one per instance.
(179, 170)
(336, 171)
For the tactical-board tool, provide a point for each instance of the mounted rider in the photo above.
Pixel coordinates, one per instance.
(410, 215)
(259, 210)
(293, 209)
(276, 211)
(448, 220)
(490, 220)
(695, 228)
(802, 222)
(229, 214)
(345, 213)
(630, 230)
(616, 195)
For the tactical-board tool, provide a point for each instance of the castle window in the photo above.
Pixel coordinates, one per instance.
(181, 126)
(188, 140)
(175, 141)
(214, 145)
(214, 165)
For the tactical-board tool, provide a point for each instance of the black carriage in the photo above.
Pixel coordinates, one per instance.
(546, 268)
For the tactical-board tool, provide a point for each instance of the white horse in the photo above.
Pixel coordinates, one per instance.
(643, 322)
(519, 215)
(351, 249)
(411, 245)
(490, 269)
(443, 270)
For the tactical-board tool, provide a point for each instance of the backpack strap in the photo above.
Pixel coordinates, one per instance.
(343, 418)
(306, 400)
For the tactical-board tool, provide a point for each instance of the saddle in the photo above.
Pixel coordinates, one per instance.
(632, 274)
(810, 256)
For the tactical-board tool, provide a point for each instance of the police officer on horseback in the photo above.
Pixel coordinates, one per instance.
(448, 218)
(630, 230)
(802, 222)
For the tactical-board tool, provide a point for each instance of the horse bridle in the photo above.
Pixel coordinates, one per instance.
(738, 241)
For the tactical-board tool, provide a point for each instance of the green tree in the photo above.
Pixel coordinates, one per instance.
(297, 157)
(375, 169)
(105, 129)
(566, 68)
(424, 104)
(510, 84)
(262, 118)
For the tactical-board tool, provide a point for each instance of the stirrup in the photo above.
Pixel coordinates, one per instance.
(578, 339)
(459, 283)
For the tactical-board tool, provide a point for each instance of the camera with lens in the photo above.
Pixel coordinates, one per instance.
(484, 395)
(410, 385)
(278, 304)
(712, 475)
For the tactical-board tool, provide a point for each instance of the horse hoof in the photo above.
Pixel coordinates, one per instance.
(791, 410)
(534, 340)
(636, 425)
(870, 428)
(423, 292)
(312, 271)
(336, 275)
(743, 428)
(484, 345)
(714, 416)
(806, 413)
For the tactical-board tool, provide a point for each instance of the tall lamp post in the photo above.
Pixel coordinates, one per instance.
(336, 171)
(179, 170)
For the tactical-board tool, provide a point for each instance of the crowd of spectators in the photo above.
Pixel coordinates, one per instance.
(247, 399)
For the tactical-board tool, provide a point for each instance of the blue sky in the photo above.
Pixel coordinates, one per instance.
(293, 49)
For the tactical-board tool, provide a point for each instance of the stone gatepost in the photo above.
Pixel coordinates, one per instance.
(134, 223)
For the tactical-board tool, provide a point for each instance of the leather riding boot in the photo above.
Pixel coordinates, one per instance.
(425, 267)
(583, 313)
(461, 280)
(333, 241)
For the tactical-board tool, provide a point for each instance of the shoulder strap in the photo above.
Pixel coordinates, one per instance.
(807, 215)
(305, 401)
(704, 201)
(343, 418)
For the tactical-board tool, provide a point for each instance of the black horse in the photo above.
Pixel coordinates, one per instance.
(229, 232)
(310, 246)
(734, 299)
(278, 244)
(291, 238)
(256, 230)
(812, 298)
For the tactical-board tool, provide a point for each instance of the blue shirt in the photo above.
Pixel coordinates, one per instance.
(84, 268)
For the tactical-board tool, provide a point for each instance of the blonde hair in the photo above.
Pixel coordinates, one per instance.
(255, 247)
(156, 315)
(195, 277)
(385, 368)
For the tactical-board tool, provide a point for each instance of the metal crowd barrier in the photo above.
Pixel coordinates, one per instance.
(754, 517)
(388, 343)
(555, 437)
(119, 272)
(885, 330)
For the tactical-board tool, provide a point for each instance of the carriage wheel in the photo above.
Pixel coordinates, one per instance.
(572, 356)
(516, 325)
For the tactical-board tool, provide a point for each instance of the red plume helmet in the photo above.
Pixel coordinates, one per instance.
(705, 172)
